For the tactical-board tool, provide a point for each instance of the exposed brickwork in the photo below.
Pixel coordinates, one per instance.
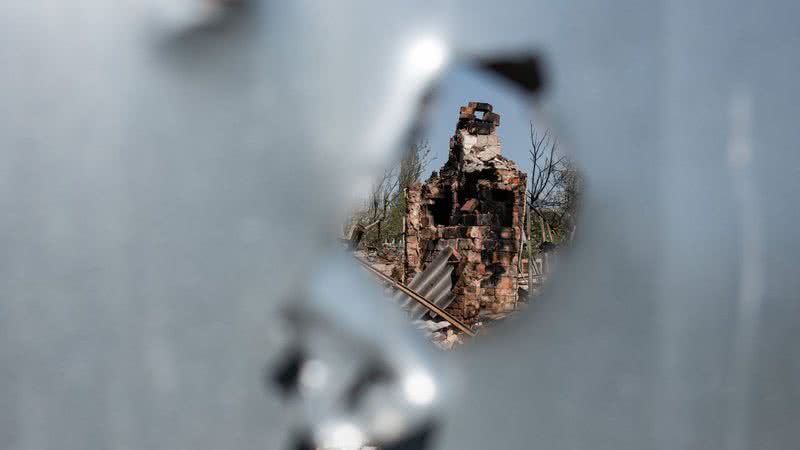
(474, 205)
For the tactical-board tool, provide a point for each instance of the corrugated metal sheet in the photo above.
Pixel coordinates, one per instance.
(434, 283)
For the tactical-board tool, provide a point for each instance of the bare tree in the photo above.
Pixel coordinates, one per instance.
(553, 193)
(568, 198)
(383, 211)
(544, 168)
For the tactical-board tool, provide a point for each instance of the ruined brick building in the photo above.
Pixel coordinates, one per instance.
(474, 205)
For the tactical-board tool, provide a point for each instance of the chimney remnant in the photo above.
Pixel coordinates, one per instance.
(474, 205)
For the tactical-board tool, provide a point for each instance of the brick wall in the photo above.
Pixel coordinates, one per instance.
(475, 205)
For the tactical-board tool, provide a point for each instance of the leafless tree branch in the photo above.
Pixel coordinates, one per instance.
(553, 183)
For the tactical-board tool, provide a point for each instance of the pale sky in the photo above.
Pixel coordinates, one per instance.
(459, 87)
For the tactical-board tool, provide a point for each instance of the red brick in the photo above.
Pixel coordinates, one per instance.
(505, 282)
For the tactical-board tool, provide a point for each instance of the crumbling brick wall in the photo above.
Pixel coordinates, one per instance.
(474, 204)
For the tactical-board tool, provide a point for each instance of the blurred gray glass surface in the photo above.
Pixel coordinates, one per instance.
(170, 174)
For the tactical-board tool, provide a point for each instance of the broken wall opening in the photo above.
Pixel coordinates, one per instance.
(502, 202)
(441, 208)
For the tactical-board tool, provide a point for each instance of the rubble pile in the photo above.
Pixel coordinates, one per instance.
(474, 205)
(385, 260)
(440, 333)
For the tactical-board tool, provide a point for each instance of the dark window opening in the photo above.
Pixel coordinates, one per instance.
(441, 210)
(504, 204)
(472, 187)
